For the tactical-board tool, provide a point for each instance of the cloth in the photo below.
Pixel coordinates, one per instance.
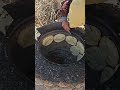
(64, 10)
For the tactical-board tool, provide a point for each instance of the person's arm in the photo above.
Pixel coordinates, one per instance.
(64, 10)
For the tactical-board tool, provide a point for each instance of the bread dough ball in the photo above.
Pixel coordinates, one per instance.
(59, 37)
(71, 40)
(47, 41)
(81, 47)
(74, 50)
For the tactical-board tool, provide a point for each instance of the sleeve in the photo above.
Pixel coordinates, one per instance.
(20, 8)
(64, 10)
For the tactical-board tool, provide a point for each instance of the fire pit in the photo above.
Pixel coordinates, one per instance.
(55, 61)
(59, 52)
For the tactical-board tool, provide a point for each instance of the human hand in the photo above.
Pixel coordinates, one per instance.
(65, 25)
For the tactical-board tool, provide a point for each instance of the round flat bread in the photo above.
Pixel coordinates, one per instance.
(107, 73)
(59, 37)
(95, 59)
(79, 57)
(48, 40)
(71, 40)
(92, 36)
(26, 37)
(74, 50)
(81, 47)
(109, 49)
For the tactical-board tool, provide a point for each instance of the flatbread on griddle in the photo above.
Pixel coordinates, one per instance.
(79, 57)
(95, 58)
(71, 40)
(81, 47)
(107, 73)
(47, 40)
(109, 49)
(59, 37)
(74, 50)
(26, 37)
(92, 36)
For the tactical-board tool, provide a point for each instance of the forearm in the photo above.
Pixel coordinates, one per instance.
(64, 10)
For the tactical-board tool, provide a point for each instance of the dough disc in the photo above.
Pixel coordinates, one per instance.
(26, 37)
(71, 40)
(95, 58)
(48, 40)
(59, 37)
(74, 50)
(107, 73)
(92, 36)
(81, 47)
(79, 57)
(109, 49)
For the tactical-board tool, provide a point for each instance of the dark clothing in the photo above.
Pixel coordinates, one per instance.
(21, 8)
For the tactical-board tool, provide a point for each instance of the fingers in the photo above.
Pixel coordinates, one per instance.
(65, 25)
(67, 28)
